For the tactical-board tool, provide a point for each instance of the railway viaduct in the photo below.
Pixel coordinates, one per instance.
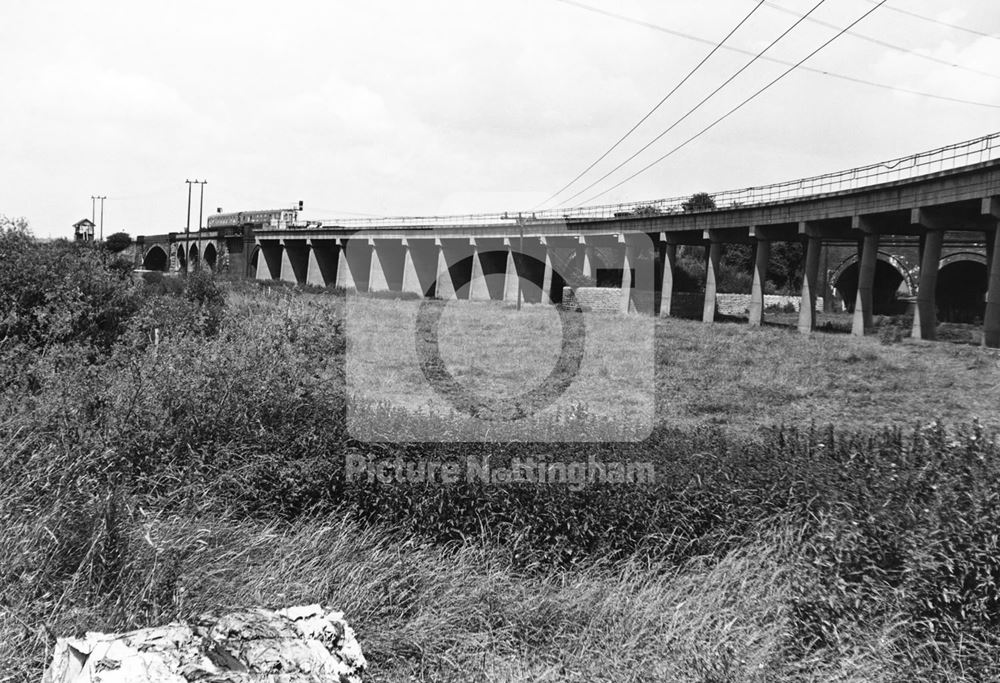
(921, 228)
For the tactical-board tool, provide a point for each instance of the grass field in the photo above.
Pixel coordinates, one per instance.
(149, 482)
(725, 373)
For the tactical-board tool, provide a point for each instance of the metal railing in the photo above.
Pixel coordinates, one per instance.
(986, 148)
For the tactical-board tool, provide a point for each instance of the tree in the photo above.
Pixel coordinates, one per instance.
(117, 242)
(699, 201)
(14, 226)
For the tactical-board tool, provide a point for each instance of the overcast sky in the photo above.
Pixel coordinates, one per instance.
(390, 107)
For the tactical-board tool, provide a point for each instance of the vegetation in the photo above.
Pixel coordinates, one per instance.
(736, 267)
(118, 242)
(699, 201)
(169, 449)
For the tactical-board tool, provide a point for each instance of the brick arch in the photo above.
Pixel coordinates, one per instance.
(156, 258)
(972, 256)
(211, 256)
(893, 278)
(962, 282)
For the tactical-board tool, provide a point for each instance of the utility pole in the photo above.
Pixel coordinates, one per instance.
(102, 217)
(201, 201)
(187, 226)
(93, 209)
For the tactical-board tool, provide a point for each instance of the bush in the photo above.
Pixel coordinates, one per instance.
(118, 242)
(63, 292)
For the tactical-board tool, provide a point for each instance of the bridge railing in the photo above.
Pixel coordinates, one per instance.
(985, 148)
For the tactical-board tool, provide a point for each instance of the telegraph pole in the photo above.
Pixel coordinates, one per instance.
(187, 227)
(93, 209)
(201, 202)
(102, 217)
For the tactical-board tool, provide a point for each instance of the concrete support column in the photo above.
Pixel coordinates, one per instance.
(269, 261)
(586, 257)
(314, 275)
(925, 316)
(667, 278)
(478, 289)
(989, 240)
(810, 278)
(444, 287)
(761, 259)
(411, 281)
(511, 282)
(866, 283)
(991, 323)
(345, 279)
(322, 269)
(711, 280)
(547, 277)
(294, 261)
(378, 278)
(287, 271)
(627, 280)
(355, 267)
(261, 272)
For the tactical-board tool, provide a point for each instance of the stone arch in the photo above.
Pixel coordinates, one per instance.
(181, 258)
(961, 287)
(893, 280)
(194, 255)
(156, 259)
(211, 256)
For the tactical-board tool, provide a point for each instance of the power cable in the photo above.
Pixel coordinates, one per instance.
(703, 101)
(740, 105)
(941, 23)
(659, 104)
(775, 60)
(886, 44)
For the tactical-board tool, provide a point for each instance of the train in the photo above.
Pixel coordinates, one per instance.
(261, 218)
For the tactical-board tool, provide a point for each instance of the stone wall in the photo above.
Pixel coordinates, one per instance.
(739, 304)
(595, 298)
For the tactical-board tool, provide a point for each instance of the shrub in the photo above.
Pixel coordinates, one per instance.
(118, 242)
(63, 292)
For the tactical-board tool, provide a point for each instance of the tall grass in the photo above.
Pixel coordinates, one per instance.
(146, 482)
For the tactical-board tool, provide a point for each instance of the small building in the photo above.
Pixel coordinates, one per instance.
(83, 231)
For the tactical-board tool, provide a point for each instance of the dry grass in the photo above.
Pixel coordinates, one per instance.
(726, 373)
(430, 613)
(426, 612)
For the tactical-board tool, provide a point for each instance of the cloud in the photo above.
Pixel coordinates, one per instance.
(401, 108)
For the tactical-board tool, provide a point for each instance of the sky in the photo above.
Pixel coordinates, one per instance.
(389, 107)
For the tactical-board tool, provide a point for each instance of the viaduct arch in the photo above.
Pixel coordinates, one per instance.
(892, 286)
(156, 259)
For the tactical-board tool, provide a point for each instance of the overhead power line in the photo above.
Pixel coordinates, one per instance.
(886, 44)
(941, 23)
(775, 60)
(703, 101)
(740, 105)
(659, 104)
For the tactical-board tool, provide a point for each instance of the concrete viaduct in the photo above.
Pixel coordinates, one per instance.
(923, 227)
